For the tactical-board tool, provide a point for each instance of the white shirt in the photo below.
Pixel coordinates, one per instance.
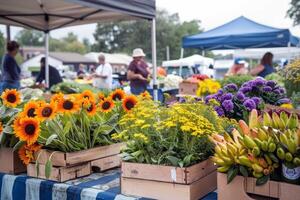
(211, 73)
(103, 83)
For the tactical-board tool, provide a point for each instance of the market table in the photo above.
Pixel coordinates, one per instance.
(98, 186)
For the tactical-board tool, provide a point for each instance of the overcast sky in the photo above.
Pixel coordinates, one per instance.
(212, 13)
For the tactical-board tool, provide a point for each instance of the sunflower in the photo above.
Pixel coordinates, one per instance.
(101, 96)
(117, 95)
(57, 97)
(27, 129)
(129, 102)
(11, 98)
(87, 94)
(106, 105)
(68, 105)
(46, 111)
(30, 109)
(26, 152)
(145, 95)
(1, 127)
(92, 109)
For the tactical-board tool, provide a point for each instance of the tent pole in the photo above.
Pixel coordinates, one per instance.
(8, 33)
(46, 59)
(155, 88)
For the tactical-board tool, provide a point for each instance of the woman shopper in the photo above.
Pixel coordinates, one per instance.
(265, 67)
(10, 69)
(138, 72)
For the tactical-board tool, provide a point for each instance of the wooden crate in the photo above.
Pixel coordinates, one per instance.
(10, 161)
(60, 174)
(246, 189)
(103, 164)
(187, 88)
(62, 159)
(165, 182)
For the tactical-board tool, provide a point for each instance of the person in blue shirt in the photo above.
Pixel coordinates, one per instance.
(54, 76)
(11, 71)
(265, 67)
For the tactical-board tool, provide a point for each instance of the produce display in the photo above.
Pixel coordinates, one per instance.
(71, 87)
(236, 102)
(276, 77)
(260, 148)
(171, 81)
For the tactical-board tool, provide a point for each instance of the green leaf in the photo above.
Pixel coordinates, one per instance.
(187, 160)
(48, 168)
(262, 180)
(18, 145)
(50, 139)
(243, 171)
(174, 161)
(232, 172)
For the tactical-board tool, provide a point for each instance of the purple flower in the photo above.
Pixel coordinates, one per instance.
(257, 100)
(249, 104)
(227, 96)
(240, 96)
(281, 90)
(220, 92)
(219, 110)
(246, 84)
(271, 83)
(245, 89)
(277, 91)
(267, 89)
(231, 87)
(283, 101)
(228, 105)
(258, 82)
(209, 97)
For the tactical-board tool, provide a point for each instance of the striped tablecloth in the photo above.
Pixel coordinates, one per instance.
(98, 186)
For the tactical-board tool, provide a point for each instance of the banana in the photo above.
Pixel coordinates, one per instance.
(291, 145)
(267, 120)
(258, 142)
(227, 161)
(293, 121)
(296, 161)
(284, 118)
(253, 119)
(271, 147)
(244, 127)
(243, 160)
(249, 143)
(228, 138)
(280, 153)
(262, 162)
(223, 169)
(257, 175)
(264, 146)
(262, 135)
(218, 161)
(277, 121)
(268, 159)
(273, 157)
(257, 168)
(288, 157)
(283, 139)
(256, 151)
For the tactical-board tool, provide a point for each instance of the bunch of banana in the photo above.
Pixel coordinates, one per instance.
(281, 121)
(228, 150)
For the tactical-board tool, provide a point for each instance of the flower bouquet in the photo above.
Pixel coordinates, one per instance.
(236, 102)
(163, 140)
(265, 148)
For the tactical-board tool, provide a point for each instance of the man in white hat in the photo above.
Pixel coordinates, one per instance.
(102, 78)
(138, 72)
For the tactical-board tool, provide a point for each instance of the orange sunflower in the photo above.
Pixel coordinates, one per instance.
(87, 94)
(92, 109)
(117, 95)
(1, 127)
(68, 105)
(106, 105)
(11, 98)
(146, 95)
(30, 109)
(46, 111)
(129, 102)
(57, 97)
(26, 152)
(101, 96)
(27, 129)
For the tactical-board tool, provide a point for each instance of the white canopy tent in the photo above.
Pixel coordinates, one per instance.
(189, 61)
(47, 15)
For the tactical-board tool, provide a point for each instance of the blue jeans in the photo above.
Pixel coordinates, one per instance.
(9, 85)
(137, 90)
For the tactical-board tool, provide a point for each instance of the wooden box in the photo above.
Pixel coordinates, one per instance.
(187, 88)
(10, 161)
(62, 159)
(166, 182)
(245, 189)
(60, 174)
(103, 164)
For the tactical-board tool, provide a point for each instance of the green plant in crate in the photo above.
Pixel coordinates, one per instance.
(175, 136)
(237, 80)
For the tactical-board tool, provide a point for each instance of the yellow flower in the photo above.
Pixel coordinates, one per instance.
(141, 136)
(287, 105)
(11, 98)
(139, 122)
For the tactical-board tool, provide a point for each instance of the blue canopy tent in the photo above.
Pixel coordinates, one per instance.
(241, 33)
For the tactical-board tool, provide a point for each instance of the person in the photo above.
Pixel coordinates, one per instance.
(265, 67)
(54, 76)
(81, 72)
(102, 77)
(209, 71)
(238, 68)
(10, 70)
(138, 72)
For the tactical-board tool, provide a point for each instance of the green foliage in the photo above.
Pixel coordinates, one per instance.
(28, 37)
(73, 87)
(276, 77)
(69, 43)
(291, 74)
(2, 45)
(237, 79)
(294, 11)
(127, 35)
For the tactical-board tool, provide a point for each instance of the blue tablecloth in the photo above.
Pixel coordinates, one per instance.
(98, 186)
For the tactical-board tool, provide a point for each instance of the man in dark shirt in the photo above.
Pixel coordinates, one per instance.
(54, 76)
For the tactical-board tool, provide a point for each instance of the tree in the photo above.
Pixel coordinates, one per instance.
(2, 45)
(294, 11)
(125, 36)
(69, 43)
(27, 37)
